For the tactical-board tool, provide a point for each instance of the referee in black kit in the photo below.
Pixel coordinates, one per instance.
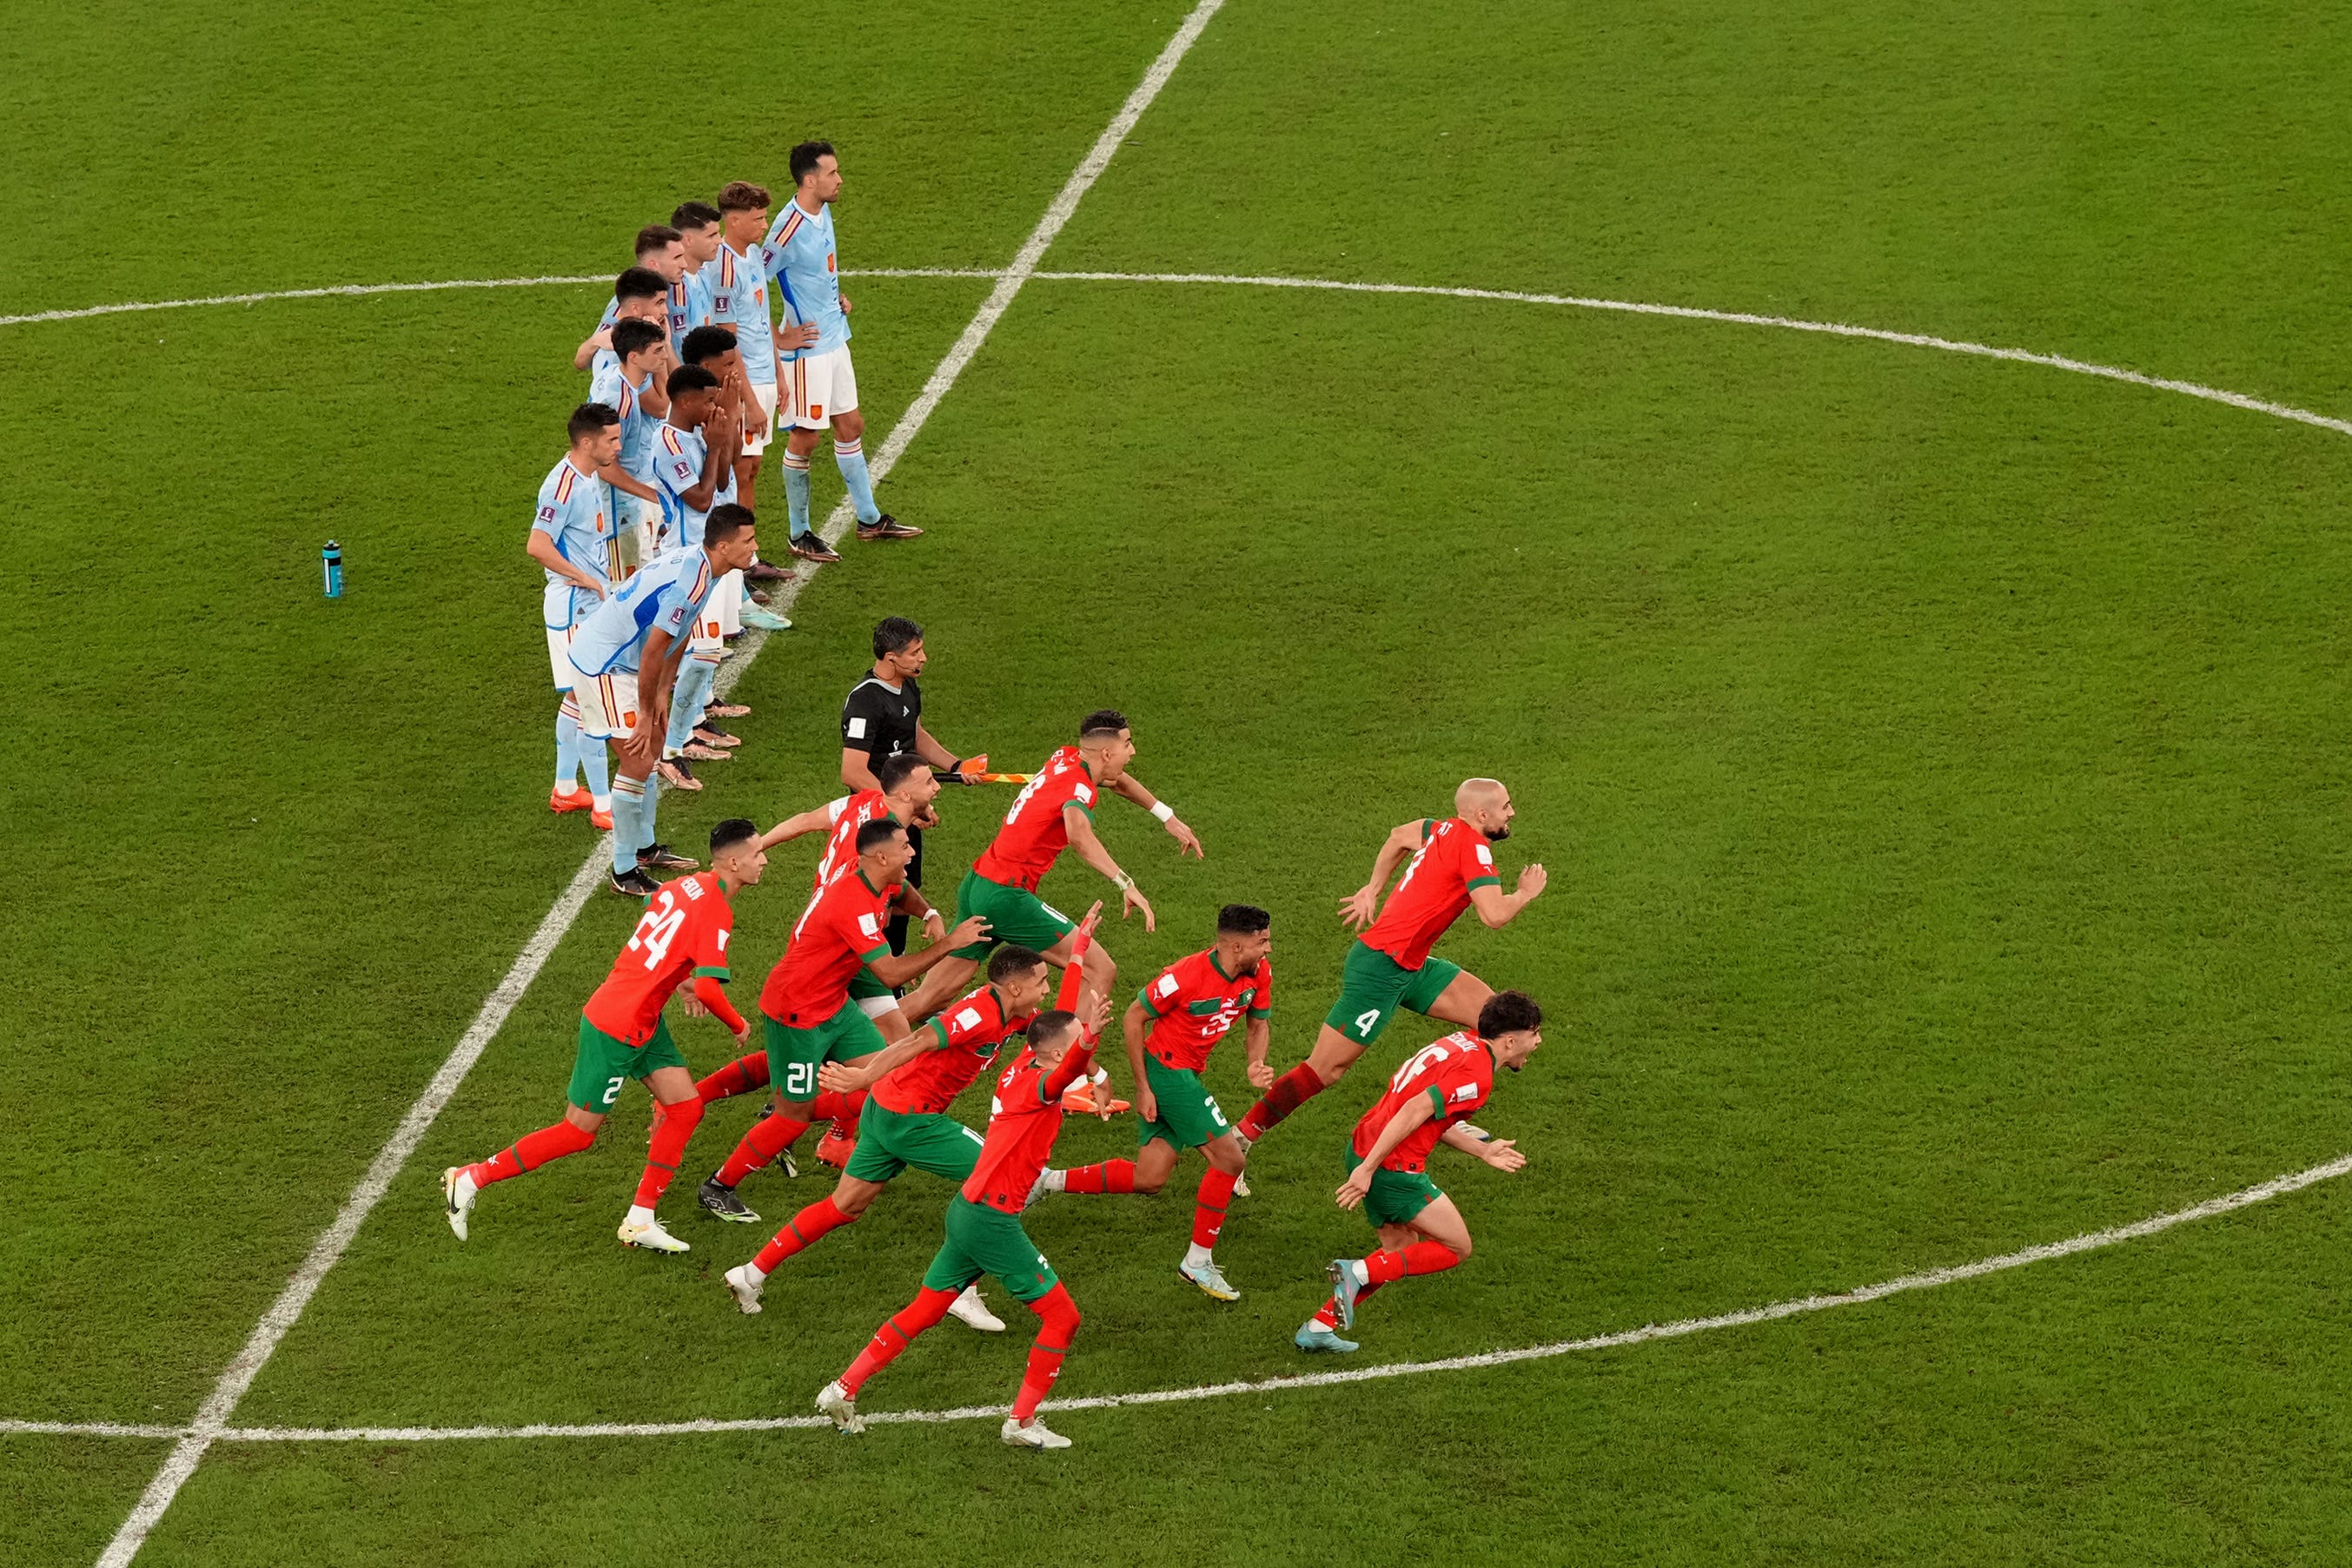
(884, 715)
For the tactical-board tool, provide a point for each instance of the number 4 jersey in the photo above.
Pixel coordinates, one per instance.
(684, 933)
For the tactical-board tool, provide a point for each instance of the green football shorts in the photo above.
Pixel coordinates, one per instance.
(1013, 915)
(984, 1240)
(865, 983)
(1395, 1196)
(889, 1141)
(794, 1054)
(603, 1064)
(1372, 986)
(1189, 1115)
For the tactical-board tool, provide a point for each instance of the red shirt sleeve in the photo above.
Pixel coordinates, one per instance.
(1263, 1006)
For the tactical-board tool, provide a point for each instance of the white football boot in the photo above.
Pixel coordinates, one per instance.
(967, 1309)
(458, 1195)
(1031, 1434)
(650, 1236)
(745, 1288)
(839, 1408)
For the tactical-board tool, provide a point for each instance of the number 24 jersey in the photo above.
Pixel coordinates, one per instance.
(683, 932)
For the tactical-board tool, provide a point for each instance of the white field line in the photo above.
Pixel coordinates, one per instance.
(2261, 1192)
(212, 1418)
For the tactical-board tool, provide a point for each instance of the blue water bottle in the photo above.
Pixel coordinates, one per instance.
(333, 557)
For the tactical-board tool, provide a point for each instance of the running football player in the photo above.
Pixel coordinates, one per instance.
(1452, 870)
(1054, 811)
(1172, 1026)
(1426, 1103)
(985, 1233)
(623, 1036)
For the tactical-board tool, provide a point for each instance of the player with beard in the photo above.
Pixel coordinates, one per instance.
(1390, 967)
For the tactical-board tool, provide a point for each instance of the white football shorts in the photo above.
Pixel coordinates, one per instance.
(756, 441)
(818, 386)
(608, 703)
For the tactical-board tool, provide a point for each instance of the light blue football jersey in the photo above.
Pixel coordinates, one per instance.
(798, 256)
(739, 298)
(689, 307)
(663, 595)
(612, 389)
(575, 510)
(677, 469)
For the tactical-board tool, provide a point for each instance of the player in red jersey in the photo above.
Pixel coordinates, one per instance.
(1389, 965)
(683, 932)
(906, 789)
(985, 1233)
(1054, 811)
(1190, 1008)
(1424, 1106)
(808, 1012)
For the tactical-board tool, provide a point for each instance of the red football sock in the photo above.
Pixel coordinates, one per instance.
(530, 1152)
(1060, 1326)
(927, 1308)
(819, 1218)
(1327, 1314)
(1209, 1205)
(740, 1076)
(765, 1139)
(668, 1148)
(1111, 1176)
(1416, 1257)
(1290, 1091)
(841, 1110)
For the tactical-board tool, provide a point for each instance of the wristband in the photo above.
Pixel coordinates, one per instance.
(1163, 810)
(1123, 882)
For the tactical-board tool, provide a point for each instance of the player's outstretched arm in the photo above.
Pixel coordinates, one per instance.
(1081, 829)
(900, 968)
(840, 1078)
(1186, 839)
(1359, 907)
(815, 819)
(1502, 1154)
(1400, 1126)
(1497, 907)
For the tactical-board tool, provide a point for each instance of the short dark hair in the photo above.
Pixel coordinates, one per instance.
(689, 379)
(892, 770)
(1051, 1025)
(881, 831)
(589, 418)
(656, 236)
(804, 158)
(705, 342)
(634, 336)
(639, 283)
(726, 521)
(1243, 920)
(742, 197)
(1102, 721)
(730, 832)
(1508, 1013)
(1010, 960)
(694, 215)
(893, 634)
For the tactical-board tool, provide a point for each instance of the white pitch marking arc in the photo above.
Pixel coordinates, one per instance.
(1928, 1280)
(1505, 295)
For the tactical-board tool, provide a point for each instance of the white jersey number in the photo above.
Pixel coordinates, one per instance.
(658, 928)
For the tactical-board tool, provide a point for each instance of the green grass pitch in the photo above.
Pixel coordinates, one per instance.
(1940, 762)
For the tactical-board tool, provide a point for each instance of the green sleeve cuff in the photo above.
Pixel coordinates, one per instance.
(1261, 1012)
(1478, 882)
(881, 950)
(1143, 1000)
(1428, 825)
(936, 1027)
(716, 971)
(1082, 806)
(1437, 1102)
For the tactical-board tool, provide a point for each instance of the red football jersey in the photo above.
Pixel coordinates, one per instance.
(969, 1031)
(1457, 1074)
(1034, 835)
(1193, 1003)
(1023, 1119)
(841, 849)
(683, 932)
(845, 926)
(1454, 858)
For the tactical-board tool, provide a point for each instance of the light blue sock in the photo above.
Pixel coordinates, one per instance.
(796, 494)
(851, 460)
(600, 773)
(687, 699)
(567, 747)
(628, 811)
(645, 815)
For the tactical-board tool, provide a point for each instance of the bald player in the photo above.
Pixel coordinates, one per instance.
(1452, 869)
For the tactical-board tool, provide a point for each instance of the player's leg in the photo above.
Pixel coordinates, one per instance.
(1004, 1250)
(677, 1111)
(850, 1197)
(949, 978)
(1459, 1000)
(800, 447)
(608, 712)
(600, 1066)
(1226, 1159)
(793, 1056)
(741, 1076)
(849, 456)
(1429, 1238)
(953, 1269)
(1371, 986)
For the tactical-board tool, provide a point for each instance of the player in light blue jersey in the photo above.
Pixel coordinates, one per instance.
(817, 387)
(638, 294)
(690, 297)
(634, 387)
(690, 466)
(572, 538)
(625, 657)
(714, 349)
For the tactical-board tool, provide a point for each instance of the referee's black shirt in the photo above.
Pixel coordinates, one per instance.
(878, 722)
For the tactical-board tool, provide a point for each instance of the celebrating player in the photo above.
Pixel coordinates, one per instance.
(1054, 811)
(1452, 869)
(985, 1233)
(1425, 1104)
(623, 1035)
(816, 383)
(1187, 1010)
(572, 538)
(912, 1083)
(624, 659)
